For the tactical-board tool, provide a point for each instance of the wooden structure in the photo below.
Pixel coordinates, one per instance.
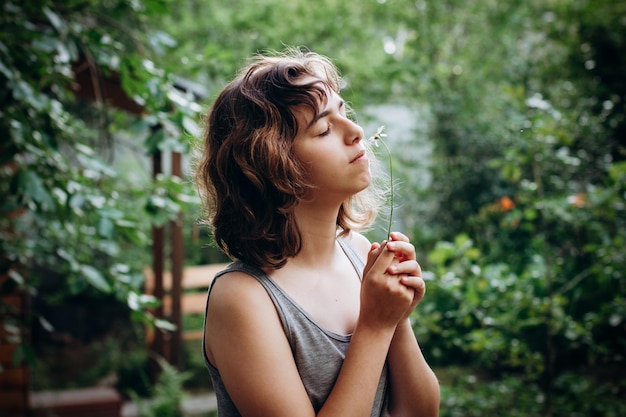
(194, 285)
(16, 398)
(14, 330)
(14, 377)
(92, 402)
(168, 347)
(92, 85)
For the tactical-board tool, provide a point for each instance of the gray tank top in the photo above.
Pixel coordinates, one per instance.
(318, 352)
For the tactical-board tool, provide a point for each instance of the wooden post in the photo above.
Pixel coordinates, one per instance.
(15, 313)
(158, 266)
(176, 230)
(14, 378)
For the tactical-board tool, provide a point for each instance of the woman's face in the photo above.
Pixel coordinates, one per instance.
(330, 148)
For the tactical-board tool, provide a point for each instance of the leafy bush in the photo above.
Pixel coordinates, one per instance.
(166, 394)
(66, 211)
(517, 208)
(469, 396)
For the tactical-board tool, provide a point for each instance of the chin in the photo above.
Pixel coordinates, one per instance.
(365, 185)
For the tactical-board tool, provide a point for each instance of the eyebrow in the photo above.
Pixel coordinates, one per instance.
(324, 114)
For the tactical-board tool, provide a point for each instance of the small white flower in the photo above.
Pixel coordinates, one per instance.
(378, 135)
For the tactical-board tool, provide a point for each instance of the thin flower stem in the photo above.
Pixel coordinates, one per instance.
(391, 190)
(378, 138)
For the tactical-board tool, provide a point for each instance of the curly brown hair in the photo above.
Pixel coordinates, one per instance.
(248, 178)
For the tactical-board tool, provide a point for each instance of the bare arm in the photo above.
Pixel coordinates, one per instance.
(414, 387)
(246, 342)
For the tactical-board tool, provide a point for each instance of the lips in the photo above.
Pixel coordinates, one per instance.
(359, 156)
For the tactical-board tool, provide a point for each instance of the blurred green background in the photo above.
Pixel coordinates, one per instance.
(506, 124)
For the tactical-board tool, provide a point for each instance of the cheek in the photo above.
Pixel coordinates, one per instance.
(312, 170)
(320, 162)
(300, 158)
(303, 163)
(307, 156)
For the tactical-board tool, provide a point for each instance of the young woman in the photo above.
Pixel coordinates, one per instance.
(311, 319)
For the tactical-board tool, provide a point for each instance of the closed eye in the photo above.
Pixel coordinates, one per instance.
(342, 109)
(325, 132)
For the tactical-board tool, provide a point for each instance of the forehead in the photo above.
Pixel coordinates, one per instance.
(320, 92)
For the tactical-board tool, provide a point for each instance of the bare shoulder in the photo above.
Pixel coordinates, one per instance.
(237, 301)
(236, 286)
(237, 295)
(245, 341)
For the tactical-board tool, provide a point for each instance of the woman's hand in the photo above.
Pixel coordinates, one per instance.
(406, 267)
(414, 387)
(387, 294)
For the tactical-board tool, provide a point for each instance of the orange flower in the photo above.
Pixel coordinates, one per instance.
(506, 203)
(577, 200)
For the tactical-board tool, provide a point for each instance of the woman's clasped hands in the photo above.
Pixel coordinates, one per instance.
(392, 283)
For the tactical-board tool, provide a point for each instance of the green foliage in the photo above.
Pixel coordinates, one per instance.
(520, 222)
(166, 395)
(528, 202)
(65, 207)
(468, 395)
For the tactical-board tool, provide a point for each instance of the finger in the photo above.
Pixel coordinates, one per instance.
(375, 250)
(379, 258)
(409, 267)
(402, 249)
(417, 283)
(377, 247)
(398, 236)
(417, 286)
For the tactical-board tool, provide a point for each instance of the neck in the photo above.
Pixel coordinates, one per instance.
(319, 234)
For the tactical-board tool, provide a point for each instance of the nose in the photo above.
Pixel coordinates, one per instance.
(353, 132)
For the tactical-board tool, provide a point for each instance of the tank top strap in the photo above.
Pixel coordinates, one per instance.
(354, 257)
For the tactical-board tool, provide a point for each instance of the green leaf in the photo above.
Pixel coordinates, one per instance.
(46, 44)
(55, 20)
(24, 353)
(191, 126)
(617, 172)
(34, 188)
(46, 324)
(16, 277)
(95, 278)
(153, 140)
(106, 227)
(6, 72)
(139, 302)
(165, 325)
